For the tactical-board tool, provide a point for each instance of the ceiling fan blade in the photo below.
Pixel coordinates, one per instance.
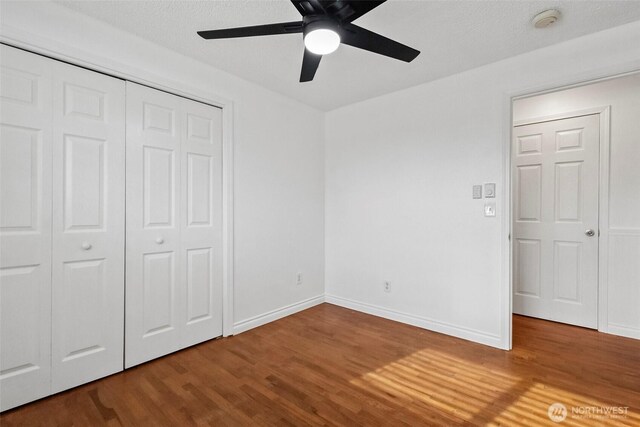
(257, 30)
(360, 8)
(310, 62)
(364, 39)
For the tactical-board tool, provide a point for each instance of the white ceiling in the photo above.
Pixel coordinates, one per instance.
(453, 36)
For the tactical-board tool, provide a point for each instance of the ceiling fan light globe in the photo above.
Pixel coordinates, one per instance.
(322, 41)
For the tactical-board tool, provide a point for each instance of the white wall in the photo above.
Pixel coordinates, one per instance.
(399, 172)
(279, 184)
(623, 270)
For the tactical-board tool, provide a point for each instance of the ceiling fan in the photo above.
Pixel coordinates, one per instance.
(325, 24)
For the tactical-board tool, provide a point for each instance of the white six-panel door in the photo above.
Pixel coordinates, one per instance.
(174, 259)
(88, 226)
(555, 230)
(201, 221)
(61, 226)
(25, 227)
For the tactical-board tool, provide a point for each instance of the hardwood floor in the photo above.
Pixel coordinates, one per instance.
(333, 366)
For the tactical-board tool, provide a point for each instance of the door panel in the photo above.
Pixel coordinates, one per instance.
(25, 227)
(201, 224)
(568, 192)
(199, 274)
(556, 166)
(527, 269)
(159, 118)
(199, 190)
(159, 289)
(21, 154)
(529, 182)
(159, 187)
(88, 227)
(566, 268)
(84, 183)
(84, 288)
(154, 297)
(174, 240)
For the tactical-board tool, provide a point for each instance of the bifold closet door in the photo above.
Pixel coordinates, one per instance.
(61, 226)
(88, 226)
(174, 222)
(25, 227)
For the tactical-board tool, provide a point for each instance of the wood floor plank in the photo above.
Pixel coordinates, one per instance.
(331, 366)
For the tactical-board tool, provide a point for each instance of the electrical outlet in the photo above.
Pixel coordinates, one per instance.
(299, 279)
(387, 286)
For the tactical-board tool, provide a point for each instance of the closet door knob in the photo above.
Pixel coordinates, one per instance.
(86, 246)
(159, 240)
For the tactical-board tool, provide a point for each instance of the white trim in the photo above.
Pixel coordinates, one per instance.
(506, 249)
(584, 79)
(603, 221)
(609, 327)
(19, 38)
(278, 313)
(561, 116)
(228, 254)
(623, 331)
(419, 321)
(617, 231)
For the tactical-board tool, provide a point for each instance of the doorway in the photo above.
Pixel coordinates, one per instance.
(563, 249)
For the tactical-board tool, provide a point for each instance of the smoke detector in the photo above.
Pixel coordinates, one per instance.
(546, 18)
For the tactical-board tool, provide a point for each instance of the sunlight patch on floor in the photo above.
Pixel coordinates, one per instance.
(429, 379)
(581, 410)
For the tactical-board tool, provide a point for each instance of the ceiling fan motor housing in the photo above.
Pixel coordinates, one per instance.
(315, 22)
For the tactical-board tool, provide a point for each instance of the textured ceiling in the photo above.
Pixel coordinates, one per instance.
(453, 36)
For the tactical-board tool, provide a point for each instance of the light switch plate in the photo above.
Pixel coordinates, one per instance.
(490, 190)
(477, 191)
(490, 209)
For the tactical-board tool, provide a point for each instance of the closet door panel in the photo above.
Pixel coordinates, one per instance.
(88, 226)
(201, 229)
(25, 227)
(155, 295)
(174, 239)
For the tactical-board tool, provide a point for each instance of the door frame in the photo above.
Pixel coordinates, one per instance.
(506, 257)
(92, 61)
(604, 117)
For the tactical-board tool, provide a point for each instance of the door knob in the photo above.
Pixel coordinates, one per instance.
(590, 233)
(86, 246)
(159, 240)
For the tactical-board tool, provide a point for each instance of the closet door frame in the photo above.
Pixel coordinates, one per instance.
(148, 77)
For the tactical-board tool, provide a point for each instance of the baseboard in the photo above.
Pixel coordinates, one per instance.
(623, 331)
(279, 313)
(421, 322)
(410, 319)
